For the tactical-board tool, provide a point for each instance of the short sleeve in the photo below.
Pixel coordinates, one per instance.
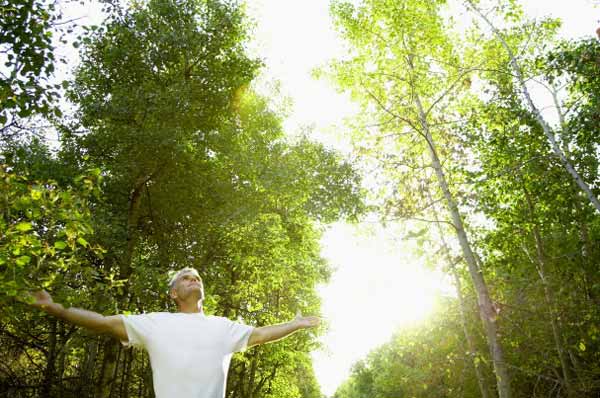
(238, 335)
(139, 328)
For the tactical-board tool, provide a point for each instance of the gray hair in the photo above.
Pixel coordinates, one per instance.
(182, 271)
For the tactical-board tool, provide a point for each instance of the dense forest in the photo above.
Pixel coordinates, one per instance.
(166, 158)
(501, 194)
(161, 152)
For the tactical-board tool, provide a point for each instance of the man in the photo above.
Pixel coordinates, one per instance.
(189, 351)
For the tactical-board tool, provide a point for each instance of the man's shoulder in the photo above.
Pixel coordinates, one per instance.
(150, 315)
(158, 314)
(225, 321)
(221, 320)
(216, 318)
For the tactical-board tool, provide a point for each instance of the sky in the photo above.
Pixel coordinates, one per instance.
(374, 271)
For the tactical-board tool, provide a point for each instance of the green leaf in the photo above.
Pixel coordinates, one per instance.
(60, 245)
(36, 194)
(82, 242)
(23, 260)
(23, 226)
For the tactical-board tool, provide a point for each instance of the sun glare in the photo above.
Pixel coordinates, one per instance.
(376, 288)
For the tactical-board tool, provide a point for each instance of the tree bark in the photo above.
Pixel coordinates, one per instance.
(470, 342)
(60, 359)
(86, 378)
(483, 389)
(588, 250)
(49, 372)
(124, 385)
(141, 378)
(109, 364)
(135, 199)
(541, 265)
(486, 306)
(253, 368)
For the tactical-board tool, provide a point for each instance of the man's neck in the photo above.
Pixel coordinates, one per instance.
(192, 307)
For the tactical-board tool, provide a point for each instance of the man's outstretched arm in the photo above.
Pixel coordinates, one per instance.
(93, 321)
(271, 333)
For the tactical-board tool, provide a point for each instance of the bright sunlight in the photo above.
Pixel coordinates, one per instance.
(376, 288)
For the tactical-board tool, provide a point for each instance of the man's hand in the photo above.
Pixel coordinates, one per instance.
(42, 299)
(305, 322)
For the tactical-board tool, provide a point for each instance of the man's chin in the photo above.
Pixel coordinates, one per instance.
(196, 291)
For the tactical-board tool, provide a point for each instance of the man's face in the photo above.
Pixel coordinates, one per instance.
(188, 285)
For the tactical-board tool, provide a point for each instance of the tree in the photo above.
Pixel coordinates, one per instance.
(43, 231)
(521, 82)
(419, 362)
(196, 170)
(26, 40)
(406, 72)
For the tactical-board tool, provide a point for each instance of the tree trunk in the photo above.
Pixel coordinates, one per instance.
(86, 378)
(486, 306)
(588, 252)
(148, 376)
(253, 368)
(124, 385)
(135, 199)
(470, 342)
(46, 390)
(109, 364)
(548, 297)
(463, 308)
(60, 359)
(141, 378)
(237, 389)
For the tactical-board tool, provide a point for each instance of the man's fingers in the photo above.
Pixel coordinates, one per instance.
(313, 320)
(40, 297)
(307, 321)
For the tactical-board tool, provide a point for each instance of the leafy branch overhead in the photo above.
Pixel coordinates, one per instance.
(190, 166)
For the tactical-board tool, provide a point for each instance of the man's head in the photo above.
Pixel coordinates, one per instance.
(186, 285)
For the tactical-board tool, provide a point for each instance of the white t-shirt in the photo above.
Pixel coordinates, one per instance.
(189, 353)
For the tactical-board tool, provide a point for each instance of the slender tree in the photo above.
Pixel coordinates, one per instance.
(405, 71)
(521, 82)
